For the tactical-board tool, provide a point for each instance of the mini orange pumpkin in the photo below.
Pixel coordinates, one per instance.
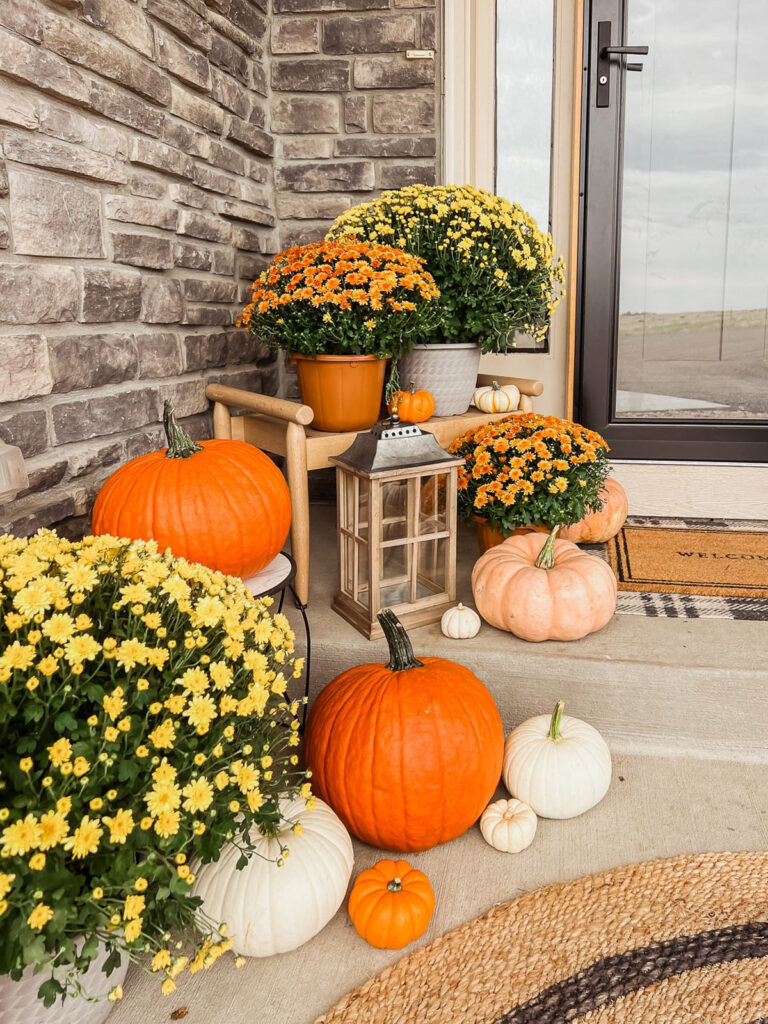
(391, 904)
(412, 406)
(598, 527)
(408, 754)
(541, 588)
(224, 504)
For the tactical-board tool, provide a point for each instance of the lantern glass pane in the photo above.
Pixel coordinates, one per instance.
(432, 503)
(346, 500)
(431, 566)
(347, 548)
(362, 595)
(363, 507)
(394, 505)
(394, 586)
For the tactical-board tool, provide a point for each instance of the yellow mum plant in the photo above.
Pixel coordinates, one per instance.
(497, 272)
(144, 722)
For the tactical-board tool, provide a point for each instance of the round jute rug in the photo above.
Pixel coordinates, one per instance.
(665, 942)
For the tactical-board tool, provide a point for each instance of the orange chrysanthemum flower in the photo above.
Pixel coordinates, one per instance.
(377, 297)
(530, 469)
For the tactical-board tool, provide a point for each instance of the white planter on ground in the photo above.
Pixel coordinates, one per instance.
(19, 1003)
(448, 372)
(271, 909)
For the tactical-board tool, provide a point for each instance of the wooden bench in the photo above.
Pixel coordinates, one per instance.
(282, 427)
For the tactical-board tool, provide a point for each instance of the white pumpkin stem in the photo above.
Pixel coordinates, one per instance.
(546, 557)
(554, 724)
(495, 385)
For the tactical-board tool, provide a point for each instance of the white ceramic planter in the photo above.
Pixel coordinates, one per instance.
(448, 372)
(19, 1003)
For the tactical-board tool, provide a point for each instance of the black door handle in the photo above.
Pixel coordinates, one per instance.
(623, 49)
(605, 51)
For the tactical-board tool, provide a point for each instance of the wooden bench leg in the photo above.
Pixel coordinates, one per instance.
(222, 421)
(296, 466)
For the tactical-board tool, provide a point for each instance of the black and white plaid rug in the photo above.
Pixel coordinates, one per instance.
(689, 606)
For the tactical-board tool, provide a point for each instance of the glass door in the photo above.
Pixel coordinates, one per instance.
(674, 245)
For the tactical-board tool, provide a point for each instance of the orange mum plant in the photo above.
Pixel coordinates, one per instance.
(342, 298)
(530, 470)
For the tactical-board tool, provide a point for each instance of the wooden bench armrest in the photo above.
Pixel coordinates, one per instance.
(532, 388)
(264, 405)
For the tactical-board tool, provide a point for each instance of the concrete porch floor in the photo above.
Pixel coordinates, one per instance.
(659, 689)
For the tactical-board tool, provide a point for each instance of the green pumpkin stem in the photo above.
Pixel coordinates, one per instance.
(401, 657)
(554, 725)
(395, 885)
(180, 444)
(546, 557)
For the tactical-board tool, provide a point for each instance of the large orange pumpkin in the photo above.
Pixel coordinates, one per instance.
(222, 503)
(391, 904)
(541, 588)
(408, 754)
(598, 527)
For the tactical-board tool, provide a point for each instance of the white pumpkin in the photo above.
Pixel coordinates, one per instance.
(558, 765)
(460, 623)
(271, 909)
(496, 398)
(508, 825)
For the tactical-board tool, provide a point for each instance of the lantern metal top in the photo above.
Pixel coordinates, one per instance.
(394, 445)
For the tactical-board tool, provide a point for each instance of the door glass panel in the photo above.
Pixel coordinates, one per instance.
(693, 301)
(525, 50)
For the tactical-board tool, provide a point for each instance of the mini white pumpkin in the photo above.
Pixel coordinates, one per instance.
(460, 623)
(272, 909)
(508, 825)
(558, 765)
(496, 398)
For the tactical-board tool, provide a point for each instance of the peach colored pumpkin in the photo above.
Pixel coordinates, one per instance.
(598, 527)
(541, 588)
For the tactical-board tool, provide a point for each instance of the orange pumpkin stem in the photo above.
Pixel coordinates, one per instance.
(401, 656)
(546, 557)
(180, 444)
(395, 885)
(554, 725)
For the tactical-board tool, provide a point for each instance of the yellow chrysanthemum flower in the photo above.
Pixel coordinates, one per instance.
(20, 837)
(40, 916)
(120, 825)
(85, 839)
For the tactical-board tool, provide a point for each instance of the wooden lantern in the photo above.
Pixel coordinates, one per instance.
(396, 498)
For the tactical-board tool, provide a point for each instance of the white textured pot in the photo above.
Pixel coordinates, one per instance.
(448, 372)
(19, 1003)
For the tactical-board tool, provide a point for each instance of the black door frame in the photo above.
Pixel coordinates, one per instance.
(597, 299)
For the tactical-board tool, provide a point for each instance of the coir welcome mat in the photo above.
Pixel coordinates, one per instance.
(728, 563)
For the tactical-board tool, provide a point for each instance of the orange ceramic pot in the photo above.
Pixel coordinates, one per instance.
(488, 536)
(344, 391)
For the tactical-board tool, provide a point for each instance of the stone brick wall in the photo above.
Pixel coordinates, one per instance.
(350, 113)
(152, 153)
(135, 199)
